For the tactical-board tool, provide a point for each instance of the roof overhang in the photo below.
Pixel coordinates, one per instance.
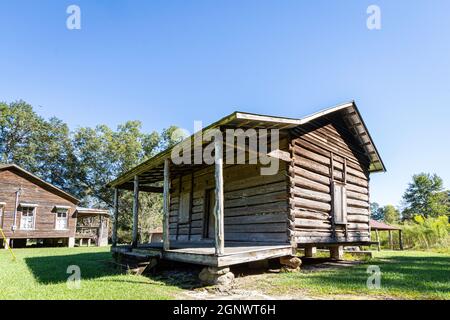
(154, 166)
(28, 205)
(91, 212)
(40, 181)
(381, 226)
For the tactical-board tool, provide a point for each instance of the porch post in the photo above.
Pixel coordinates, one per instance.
(100, 231)
(391, 243)
(218, 208)
(400, 239)
(378, 240)
(135, 211)
(116, 217)
(166, 195)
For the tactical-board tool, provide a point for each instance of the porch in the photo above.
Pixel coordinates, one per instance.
(204, 253)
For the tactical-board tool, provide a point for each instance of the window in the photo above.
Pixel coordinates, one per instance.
(27, 220)
(61, 218)
(339, 203)
(183, 214)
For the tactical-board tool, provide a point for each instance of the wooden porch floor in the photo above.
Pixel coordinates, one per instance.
(204, 253)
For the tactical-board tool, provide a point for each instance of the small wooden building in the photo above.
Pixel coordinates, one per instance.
(92, 227)
(32, 209)
(219, 214)
(378, 226)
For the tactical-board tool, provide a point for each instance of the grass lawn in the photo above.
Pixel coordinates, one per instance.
(404, 275)
(41, 273)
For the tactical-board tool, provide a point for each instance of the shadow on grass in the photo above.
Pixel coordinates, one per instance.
(422, 275)
(95, 265)
(53, 269)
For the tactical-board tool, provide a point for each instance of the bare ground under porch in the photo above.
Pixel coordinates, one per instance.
(204, 253)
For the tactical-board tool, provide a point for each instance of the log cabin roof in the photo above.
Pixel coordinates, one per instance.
(40, 182)
(151, 171)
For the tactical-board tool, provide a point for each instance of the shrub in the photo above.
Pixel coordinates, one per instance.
(426, 233)
(421, 233)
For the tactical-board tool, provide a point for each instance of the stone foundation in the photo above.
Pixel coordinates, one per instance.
(291, 263)
(221, 277)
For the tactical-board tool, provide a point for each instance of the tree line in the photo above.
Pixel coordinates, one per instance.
(84, 160)
(424, 197)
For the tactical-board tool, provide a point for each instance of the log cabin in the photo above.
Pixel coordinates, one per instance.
(224, 212)
(33, 209)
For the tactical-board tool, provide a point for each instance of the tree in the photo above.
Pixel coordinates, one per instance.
(391, 214)
(425, 196)
(19, 130)
(84, 161)
(40, 146)
(376, 213)
(102, 154)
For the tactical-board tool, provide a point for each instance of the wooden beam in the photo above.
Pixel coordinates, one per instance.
(135, 211)
(378, 240)
(391, 243)
(400, 239)
(219, 205)
(166, 196)
(116, 217)
(100, 231)
(151, 189)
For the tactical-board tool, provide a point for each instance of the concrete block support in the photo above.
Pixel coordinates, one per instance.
(310, 252)
(6, 243)
(337, 252)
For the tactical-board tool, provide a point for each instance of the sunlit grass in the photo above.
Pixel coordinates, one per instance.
(404, 275)
(42, 274)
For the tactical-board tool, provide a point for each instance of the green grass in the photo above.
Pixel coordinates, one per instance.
(404, 275)
(41, 273)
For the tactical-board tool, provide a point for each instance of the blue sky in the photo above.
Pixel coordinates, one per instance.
(173, 62)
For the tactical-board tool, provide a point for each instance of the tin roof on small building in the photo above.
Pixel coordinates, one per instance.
(378, 225)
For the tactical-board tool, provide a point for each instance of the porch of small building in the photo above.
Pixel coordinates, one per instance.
(204, 253)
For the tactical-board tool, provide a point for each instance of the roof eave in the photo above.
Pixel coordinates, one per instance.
(159, 158)
(49, 185)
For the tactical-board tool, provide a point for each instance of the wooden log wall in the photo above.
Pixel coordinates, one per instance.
(44, 214)
(314, 148)
(256, 206)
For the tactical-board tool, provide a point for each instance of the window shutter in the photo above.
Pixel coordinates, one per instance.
(183, 213)
(339, 203)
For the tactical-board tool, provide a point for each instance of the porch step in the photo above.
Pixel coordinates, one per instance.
(136, 262)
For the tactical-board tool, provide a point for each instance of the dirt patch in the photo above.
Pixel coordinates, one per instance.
(251, 284)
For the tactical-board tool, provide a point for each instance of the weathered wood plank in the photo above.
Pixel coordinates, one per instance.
(166, 204)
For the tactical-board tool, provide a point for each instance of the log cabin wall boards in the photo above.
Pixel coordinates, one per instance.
(318, 196)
